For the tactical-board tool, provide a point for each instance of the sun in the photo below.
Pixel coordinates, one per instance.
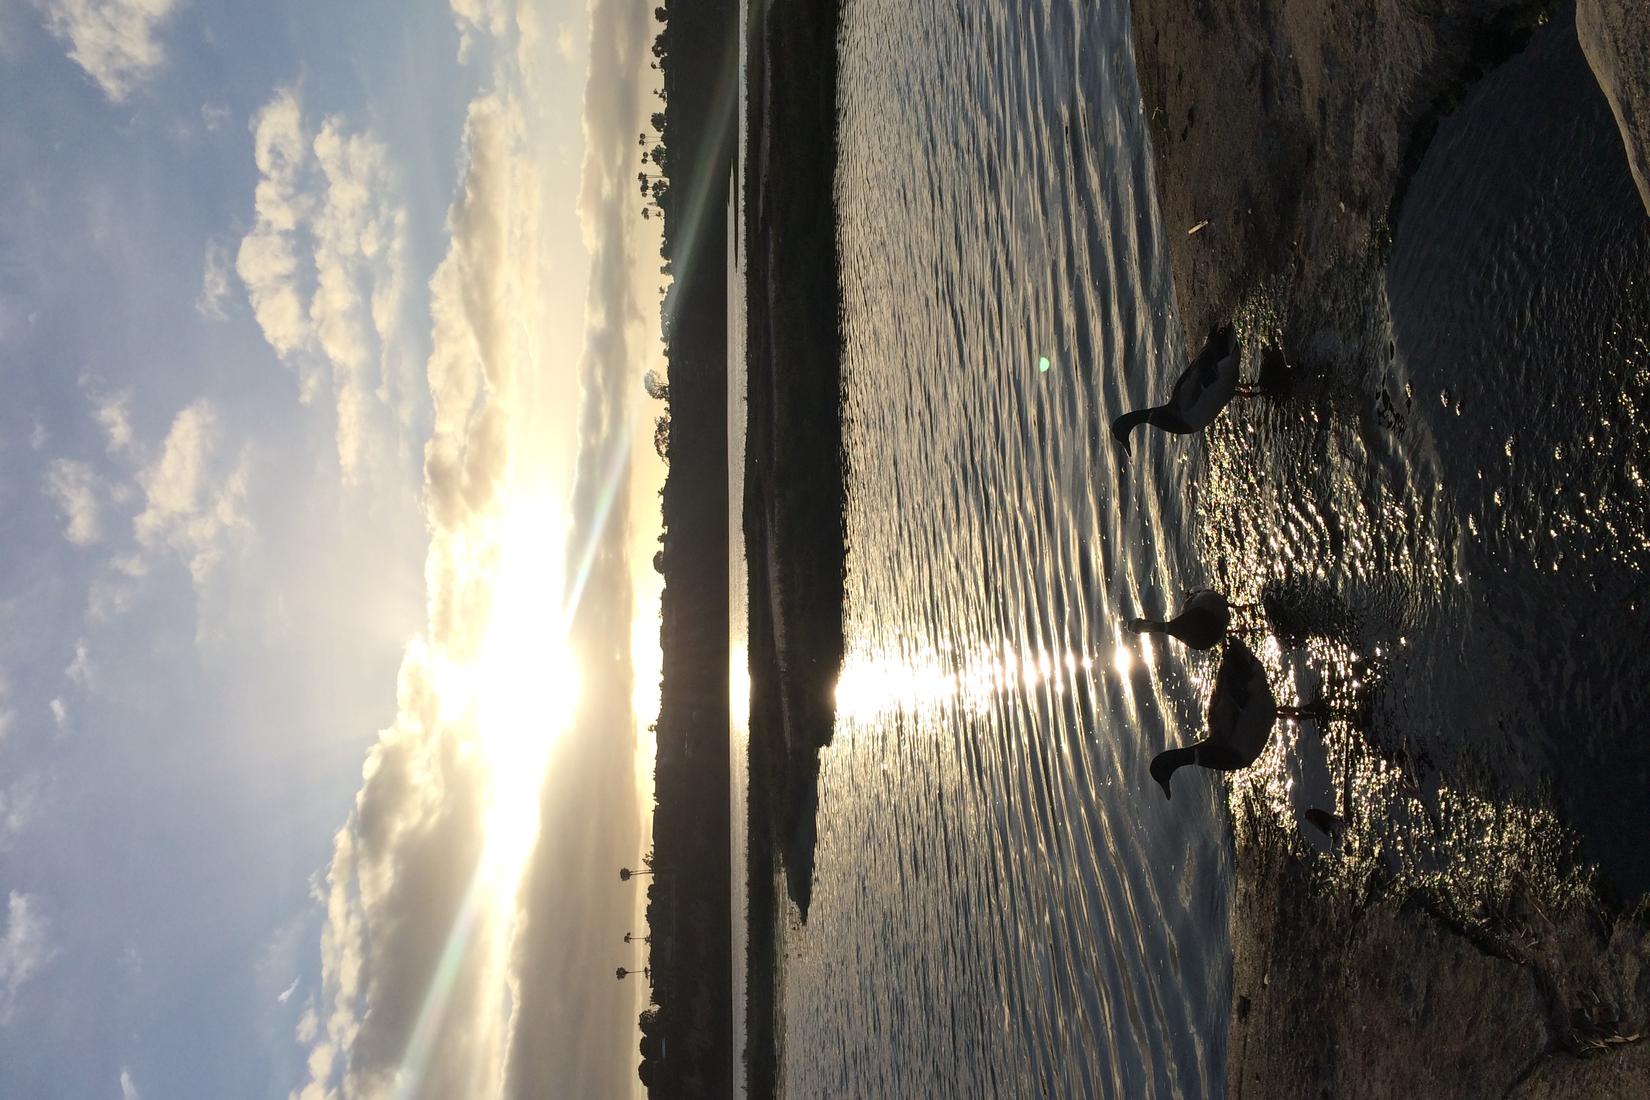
(526, 677)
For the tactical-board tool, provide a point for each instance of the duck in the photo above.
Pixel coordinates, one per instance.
(1206, 386)
(1201, 624)
(1242, 711)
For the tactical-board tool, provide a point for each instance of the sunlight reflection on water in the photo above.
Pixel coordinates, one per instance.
(1002, 906)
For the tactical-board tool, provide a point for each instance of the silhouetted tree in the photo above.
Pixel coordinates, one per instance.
(661, 437)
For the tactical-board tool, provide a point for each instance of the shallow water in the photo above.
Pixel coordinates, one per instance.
(1465, 487)
(1447, 525)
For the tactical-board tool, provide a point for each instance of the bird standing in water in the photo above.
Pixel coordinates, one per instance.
(1241, 714)
(1205, 387)
(1201, 624)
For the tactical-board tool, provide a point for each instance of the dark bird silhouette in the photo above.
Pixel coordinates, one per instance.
(1329, 824)
(1201, 624)
(1206, 386)
(1242, 711)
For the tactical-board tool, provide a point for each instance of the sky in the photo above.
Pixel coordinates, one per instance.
(328, 630)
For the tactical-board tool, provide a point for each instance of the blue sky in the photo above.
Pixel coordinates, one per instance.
(296, 331)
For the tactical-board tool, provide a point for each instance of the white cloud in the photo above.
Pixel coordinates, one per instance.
(401, 865)
(479, 17)
(286, 994)
(79, 671)
(267, 261)
(215, 115)
(74, 487)
(191, 505)
(23, 950)
(215, 287)
(325, 269)
(112, 416)
(60, 712)
(19, 804)
(115, 41)
(309, 1026)
(564, 44)
(128, 1088)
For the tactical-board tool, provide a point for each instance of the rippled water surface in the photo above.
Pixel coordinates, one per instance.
(1447, 527)
(1001, 907)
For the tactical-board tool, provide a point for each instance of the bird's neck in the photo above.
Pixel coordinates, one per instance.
(1166, 417)
(1129, 421)
(1167, 763)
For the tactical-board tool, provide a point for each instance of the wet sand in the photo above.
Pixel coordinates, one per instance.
(1293, 131)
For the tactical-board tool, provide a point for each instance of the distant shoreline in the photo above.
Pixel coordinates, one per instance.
(794, 483)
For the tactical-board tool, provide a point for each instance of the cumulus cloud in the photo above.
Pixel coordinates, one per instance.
(23, 950)
(115, 41)
(478, 19)
(185, 498)
(74, 487)
(112, 416)
(215, 287)
(128, 1087)
(193, 499)
(397, 885)
(267, 261)
(324, 266)
(412, 979)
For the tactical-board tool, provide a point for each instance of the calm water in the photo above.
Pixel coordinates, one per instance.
(1451, 517)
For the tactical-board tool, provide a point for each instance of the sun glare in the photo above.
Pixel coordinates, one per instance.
(872, 684)
(526, 681)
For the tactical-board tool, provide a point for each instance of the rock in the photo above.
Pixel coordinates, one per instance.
(1615, 36)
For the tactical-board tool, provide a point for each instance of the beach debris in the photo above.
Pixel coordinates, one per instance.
(1043, 364)
(1198, 228)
